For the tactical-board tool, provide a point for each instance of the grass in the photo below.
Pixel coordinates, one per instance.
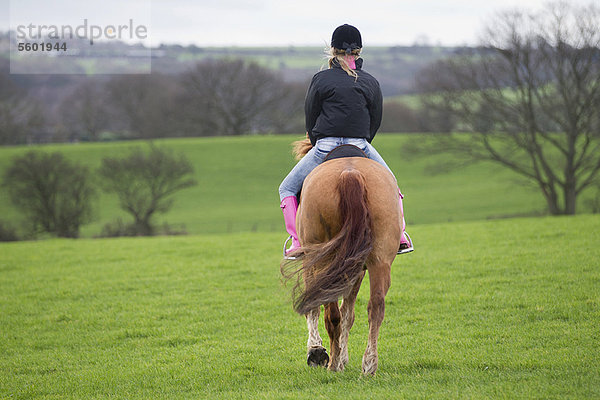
(239, 176)
(487, 309)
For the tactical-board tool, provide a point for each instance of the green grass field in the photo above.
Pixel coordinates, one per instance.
(238, 179)
(491, 305)
(491, 309)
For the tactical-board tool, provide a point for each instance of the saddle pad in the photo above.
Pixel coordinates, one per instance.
(345, 150)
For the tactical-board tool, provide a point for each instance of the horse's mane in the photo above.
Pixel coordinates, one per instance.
(301, 147)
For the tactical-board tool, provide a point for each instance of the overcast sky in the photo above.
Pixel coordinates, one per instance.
(273, 22)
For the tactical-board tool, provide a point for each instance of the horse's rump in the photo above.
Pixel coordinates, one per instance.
(335, 225)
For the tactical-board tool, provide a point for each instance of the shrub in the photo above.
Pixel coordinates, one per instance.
(118, 228)
(594, 203)
(145, 184)
(7, 233)
(53, 193)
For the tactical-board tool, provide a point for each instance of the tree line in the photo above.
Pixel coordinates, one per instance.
(214, 98)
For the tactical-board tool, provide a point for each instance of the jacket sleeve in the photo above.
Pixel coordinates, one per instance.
(312, 108)
(375, 110)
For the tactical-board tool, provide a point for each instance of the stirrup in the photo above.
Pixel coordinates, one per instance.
(285, 248)
(410, 247)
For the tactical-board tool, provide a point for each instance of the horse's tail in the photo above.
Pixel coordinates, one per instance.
(334, 266)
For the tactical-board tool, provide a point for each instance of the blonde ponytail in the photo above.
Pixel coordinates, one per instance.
(338, 55)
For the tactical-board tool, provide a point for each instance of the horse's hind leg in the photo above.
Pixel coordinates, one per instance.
(333, 323)
(379, 277)
(347, 312)
(316, 353)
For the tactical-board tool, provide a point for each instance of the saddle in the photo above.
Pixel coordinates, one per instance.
(345, 150)
(341, 151)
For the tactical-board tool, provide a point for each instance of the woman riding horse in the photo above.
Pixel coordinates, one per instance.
(343, 225)
(343, 106)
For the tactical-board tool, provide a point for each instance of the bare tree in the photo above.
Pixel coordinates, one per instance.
(233, 97)
(531, 96)
(20, 115)
(287, 114)
(399, 117)
(145, 183)
(84, 111)
(54, 193)
(144, 104)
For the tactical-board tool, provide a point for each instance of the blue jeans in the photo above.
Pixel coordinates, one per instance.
(292, 183)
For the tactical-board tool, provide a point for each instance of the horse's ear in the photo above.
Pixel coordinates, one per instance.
(300, 148)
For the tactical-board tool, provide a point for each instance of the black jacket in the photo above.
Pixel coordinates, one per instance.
(337, 105)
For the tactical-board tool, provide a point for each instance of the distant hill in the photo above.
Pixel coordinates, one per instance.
(395, 67)
(239, 177)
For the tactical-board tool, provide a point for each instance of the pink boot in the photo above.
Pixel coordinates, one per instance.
(406, 245)
(289, 206)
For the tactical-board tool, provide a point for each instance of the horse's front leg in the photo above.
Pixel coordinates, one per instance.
(316, 353)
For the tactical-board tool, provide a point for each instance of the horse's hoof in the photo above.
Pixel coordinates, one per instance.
(317, 357)
(336, 368)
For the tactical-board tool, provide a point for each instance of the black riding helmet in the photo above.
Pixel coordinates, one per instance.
(346, 37)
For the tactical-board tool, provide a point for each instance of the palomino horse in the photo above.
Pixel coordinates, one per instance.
(348, 221)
